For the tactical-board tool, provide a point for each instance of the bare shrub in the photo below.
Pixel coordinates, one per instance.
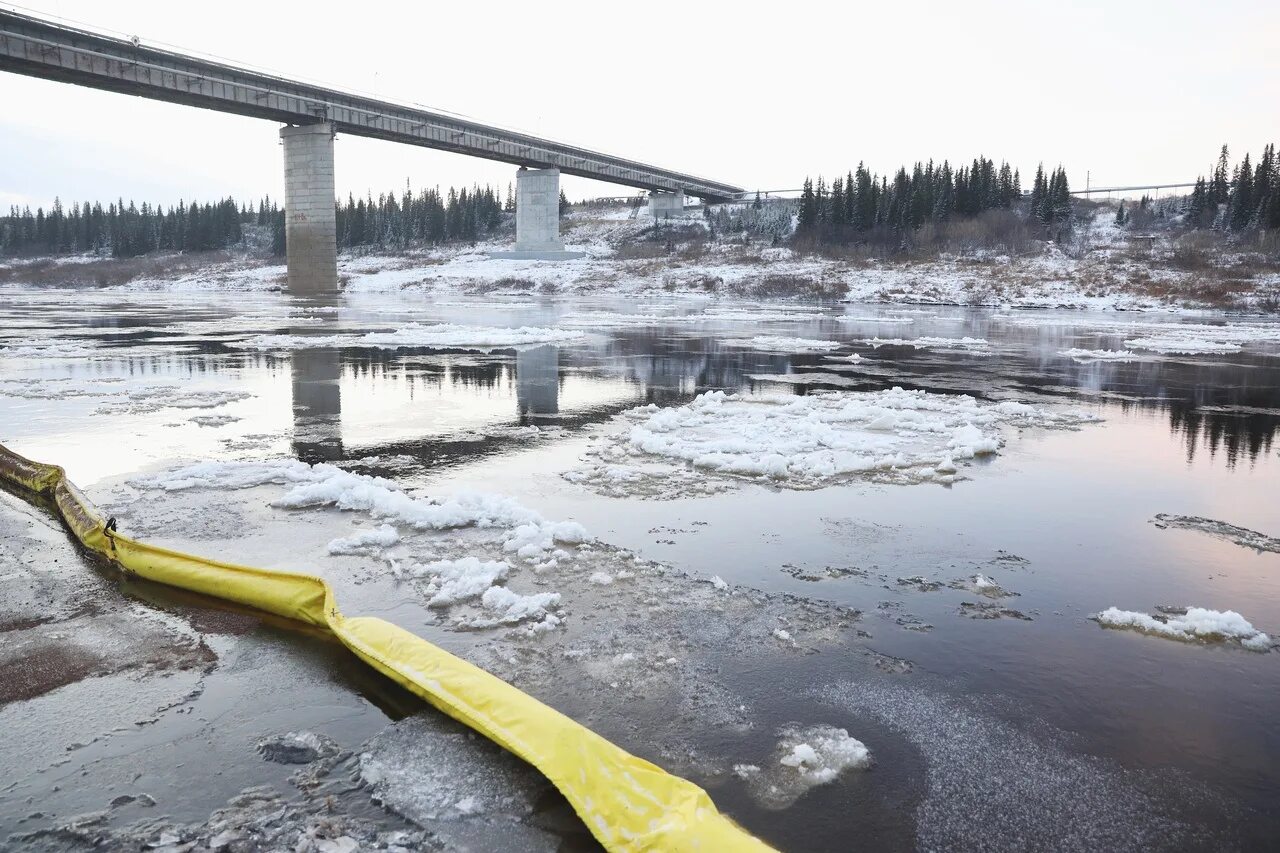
(505, 283)
(1195, 251)
(1004, 232)
(791, 287)
(108, 272)
(640, 251)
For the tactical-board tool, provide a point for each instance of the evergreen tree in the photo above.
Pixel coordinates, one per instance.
(1243, 204)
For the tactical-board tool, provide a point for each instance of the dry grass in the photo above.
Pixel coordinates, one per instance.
(507, 283)
(108, 272)
(790, 287)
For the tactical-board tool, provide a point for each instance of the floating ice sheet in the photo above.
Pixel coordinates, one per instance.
(803, 759)
(423, 335)
(528, 535)
(1242, 536)
(976, 346)
(807, 442)
(776, 343)
(1191, 625)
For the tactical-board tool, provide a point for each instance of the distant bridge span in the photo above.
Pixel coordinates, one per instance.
(53, 51)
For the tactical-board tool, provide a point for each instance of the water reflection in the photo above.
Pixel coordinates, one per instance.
(538, 384)
(1225, 409)
(317, 404)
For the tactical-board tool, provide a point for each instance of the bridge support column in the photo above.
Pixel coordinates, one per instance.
(538, 218)
(663, 205)
(311, 228)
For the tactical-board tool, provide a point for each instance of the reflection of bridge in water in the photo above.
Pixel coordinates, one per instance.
(658, 371)
(1222, 410)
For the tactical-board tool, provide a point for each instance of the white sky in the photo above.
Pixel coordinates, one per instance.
(756, 95)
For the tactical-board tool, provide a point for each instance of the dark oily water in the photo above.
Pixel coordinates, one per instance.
(812, 598)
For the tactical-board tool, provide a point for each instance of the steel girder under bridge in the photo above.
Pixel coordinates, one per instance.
(52, 51)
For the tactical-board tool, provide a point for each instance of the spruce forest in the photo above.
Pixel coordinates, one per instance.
(859, 208)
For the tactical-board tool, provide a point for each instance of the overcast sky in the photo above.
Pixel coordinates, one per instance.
(757, 95)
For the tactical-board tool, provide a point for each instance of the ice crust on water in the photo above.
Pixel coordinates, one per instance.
(530, 536)
(1171, 338)
(1175, 344)
(428, 769)
(510, 607)
(1196, 624)
(422, 335)
(1099, 354)
(988, 780)
(1242, 536)
(976, 346)
(459, 580)
(777, 343)
(365, 541)
(804, 758)
(810, 441)
(846, 318)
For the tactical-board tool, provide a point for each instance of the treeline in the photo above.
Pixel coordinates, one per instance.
(127, 230)
(121, 231)
(1238, 198)
(425, 217)
(863, 206)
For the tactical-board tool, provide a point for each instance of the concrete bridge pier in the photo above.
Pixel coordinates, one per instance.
(663, 205)
(537, 218)
(311, 228)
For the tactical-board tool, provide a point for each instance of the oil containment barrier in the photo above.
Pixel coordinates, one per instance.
(627, 803)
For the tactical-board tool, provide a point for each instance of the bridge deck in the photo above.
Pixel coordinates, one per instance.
(52, 51)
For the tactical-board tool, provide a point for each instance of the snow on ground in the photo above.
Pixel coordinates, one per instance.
(776, 343)
(1190, 625)
(528, 535)
(803, 759)
(420, 335)
(1096, 270)
(806, 442)
(1242, 536)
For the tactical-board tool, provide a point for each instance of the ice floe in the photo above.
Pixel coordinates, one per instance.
(460, 580)
(776, 343)
(428, 769)
(440, 335)
(1170, 338)
(1242, 536)
(1190, 625)
(976, 346)
(529, 535)
(806, 442)
(365, 541)
(1099, 354)
(804, 758)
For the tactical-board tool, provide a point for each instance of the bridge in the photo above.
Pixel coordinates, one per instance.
(312, 115)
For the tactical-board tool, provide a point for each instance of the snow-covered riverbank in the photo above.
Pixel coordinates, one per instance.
(1101, 269)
